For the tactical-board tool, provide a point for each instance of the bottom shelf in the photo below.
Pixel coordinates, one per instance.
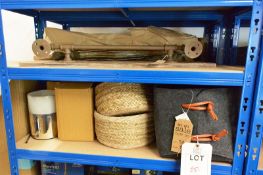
(94, 153)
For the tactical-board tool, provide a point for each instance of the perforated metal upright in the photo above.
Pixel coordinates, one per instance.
(245, 79)
(256, 125)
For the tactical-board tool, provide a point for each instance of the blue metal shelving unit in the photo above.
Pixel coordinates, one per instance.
(212, 19)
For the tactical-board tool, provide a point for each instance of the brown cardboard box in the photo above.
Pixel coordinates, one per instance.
(51, 85)
(29, 167)
(19, 89)
(4, 162)
(74, 106)
(34, 171)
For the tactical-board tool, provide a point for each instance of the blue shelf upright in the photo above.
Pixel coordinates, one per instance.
(256, 131)
(7, 106)
(247, 94)
(60, 11)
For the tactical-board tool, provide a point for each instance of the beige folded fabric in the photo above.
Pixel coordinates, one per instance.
(150, 36)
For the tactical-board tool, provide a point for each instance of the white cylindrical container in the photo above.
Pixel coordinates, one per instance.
(42, 111)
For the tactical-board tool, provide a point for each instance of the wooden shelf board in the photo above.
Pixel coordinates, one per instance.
(93, 148)
(128, 65)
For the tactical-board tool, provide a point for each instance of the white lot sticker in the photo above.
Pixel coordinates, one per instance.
(196, 159)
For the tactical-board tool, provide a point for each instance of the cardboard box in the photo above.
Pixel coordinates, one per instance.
(34, 171)
(28, 167)
(4, 161)
(74, 106)
(101, 170)
(146, 172)
(51, 85)
(19, 89)
(51, 168)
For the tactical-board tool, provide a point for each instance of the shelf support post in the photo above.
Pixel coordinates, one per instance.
(223, 40)
(40, 25)
(256, 124)
(240, 18)
(7, 106)
(209, 38)
(235, 40)
(252, 61)
(221, 33)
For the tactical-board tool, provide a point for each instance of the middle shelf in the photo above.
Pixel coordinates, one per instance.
(77, 97)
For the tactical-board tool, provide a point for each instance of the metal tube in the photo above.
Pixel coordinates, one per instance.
(43, 48)
(114, 47)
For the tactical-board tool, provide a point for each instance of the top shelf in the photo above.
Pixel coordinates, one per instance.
(80, 4)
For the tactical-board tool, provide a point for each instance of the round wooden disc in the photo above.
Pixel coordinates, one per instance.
(193, 49)
(41, 48)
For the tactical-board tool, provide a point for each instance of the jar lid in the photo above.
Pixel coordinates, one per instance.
(41, 102)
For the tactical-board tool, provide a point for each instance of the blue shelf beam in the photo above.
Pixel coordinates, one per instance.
(135, 76)
(140, 24)
(132, 15)
(56, 4)
(147, 164)
(127, 18)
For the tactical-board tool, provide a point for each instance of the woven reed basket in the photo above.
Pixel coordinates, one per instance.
(124, 132)
(116, 99)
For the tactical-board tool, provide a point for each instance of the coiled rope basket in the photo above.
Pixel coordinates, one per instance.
(124, 132)
(118, 99)
(123, 119)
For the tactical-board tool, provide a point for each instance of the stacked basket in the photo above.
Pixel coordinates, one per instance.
(123, 118)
